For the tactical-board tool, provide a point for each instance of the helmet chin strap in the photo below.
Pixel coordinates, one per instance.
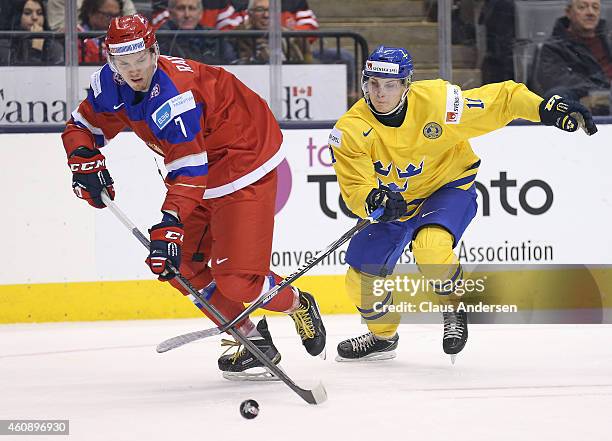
(111, 64)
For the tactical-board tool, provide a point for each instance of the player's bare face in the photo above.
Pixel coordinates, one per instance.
(385, 93)
(186, 13)
(136, 69)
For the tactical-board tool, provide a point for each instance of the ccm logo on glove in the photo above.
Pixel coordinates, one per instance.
(165, 248)
(90, 176)
(174, 235)
(85, 167)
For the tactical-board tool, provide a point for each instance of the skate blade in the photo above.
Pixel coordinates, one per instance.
(380, 356)
(253, 374)
(453, 357)
(323, 354)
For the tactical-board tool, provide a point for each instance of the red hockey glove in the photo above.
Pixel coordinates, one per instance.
(90, 176)
(166, 243)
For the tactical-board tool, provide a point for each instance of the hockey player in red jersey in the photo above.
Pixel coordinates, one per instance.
(221, 146)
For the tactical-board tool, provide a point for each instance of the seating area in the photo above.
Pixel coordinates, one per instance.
(406, 23)
(534, 24)
(401, 23)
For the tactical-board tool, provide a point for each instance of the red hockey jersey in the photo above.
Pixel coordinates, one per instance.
(216, 135)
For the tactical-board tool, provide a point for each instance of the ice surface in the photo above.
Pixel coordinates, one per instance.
(511, 382)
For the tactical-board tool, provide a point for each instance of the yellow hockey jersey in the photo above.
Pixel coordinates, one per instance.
(431, 148)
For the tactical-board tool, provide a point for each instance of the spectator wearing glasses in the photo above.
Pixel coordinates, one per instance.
(577, 61)
(29, 15)
(295, 14)
(55, 12)
(96, 15)
(218, 14)
(185, 15)
(256, 50)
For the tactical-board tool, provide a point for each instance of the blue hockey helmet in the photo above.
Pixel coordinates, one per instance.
(387, 62)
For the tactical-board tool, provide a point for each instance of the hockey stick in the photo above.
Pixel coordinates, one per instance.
(314, 396)
(181, 340)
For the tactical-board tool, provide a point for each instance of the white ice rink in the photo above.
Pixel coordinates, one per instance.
(512, 382)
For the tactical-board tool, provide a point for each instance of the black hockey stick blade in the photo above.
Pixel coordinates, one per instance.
(181, 340)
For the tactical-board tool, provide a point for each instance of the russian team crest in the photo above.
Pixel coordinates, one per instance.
(154, 91)
(432, 130)
(118, 79)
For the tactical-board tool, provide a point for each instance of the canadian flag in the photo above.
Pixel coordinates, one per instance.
(302, 91)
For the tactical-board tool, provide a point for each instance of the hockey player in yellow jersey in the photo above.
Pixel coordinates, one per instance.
(405, 147)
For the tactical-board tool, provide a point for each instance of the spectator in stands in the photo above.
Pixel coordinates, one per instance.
(577, 61)
(96, 15)
(29, 15)
(218, 14)
(55, 12)
(498, 18)
(226, 15)
(256, 50)
(295, 14)
(186, 15)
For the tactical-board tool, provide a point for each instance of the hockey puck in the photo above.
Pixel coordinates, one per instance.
(249, 409)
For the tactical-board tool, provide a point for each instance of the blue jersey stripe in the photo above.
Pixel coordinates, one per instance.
(461, 181)
(474, 165)
(383, 303)
(193, 171)
(100, 141)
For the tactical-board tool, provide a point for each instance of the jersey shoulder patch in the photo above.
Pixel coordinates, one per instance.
(96, 83)
(104, 84)
(172, 108)
(454, 104)
(335, 137)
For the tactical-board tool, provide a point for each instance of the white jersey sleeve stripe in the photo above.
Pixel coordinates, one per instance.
(248, 179)
(195, 160)
(80, 119)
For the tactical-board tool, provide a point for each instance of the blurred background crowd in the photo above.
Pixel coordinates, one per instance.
(558, 46)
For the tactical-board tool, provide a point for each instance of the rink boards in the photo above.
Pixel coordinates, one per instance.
(543, 196)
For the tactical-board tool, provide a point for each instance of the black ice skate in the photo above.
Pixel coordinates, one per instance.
(242, 364)
(309, 325)
(455, 332)
(367, 347)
